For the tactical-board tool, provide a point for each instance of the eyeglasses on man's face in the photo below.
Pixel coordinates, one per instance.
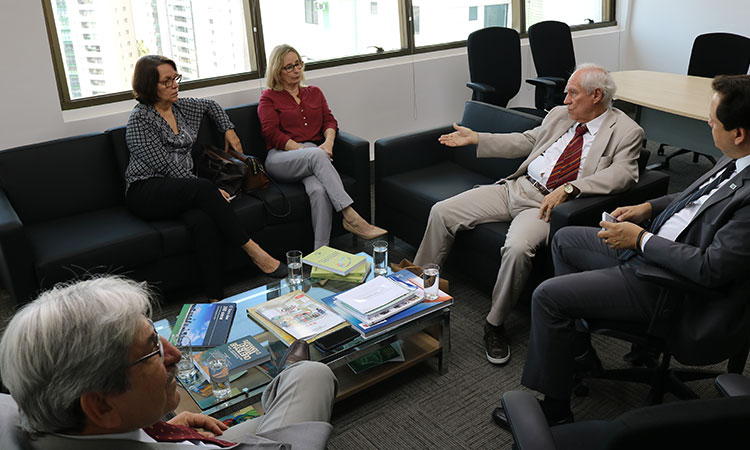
(290, 67)
(169, 82)
(158, 347)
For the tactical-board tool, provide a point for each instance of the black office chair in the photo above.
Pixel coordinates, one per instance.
(714, 54)
(495, 67)
(659, 338)
(554, 59)
(719, 423)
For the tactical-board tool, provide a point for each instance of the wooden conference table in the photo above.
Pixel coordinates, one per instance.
(671, 108)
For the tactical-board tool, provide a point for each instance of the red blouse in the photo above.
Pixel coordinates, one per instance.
(281, 118)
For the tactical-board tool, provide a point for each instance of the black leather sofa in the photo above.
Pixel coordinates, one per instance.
(414, 171)
(62, 211)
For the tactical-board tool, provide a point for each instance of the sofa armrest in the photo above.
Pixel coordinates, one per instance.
(410, 151)
(527, 422)
(16, 264)
(351, 156)
(587, 211)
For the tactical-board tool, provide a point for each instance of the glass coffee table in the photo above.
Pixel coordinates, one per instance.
(422, 338)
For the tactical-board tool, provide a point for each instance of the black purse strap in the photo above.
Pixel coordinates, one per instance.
(257, 194)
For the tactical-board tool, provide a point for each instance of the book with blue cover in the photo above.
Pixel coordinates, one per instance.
(407, 315)
(207, 324)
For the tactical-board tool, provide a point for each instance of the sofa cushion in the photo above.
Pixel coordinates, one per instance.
(107, 240)
(61, 178)
(413, 193)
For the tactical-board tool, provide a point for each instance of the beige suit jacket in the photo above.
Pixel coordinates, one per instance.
(610, 166)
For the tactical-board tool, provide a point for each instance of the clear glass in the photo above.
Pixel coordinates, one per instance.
(380, 257)
(218, 370)
(294, 264)
(431, 280)
(442, 21)
(186, 371)
(101, 41)
(322, 30)
(572, 12)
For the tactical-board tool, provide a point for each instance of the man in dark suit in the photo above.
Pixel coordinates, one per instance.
(88, 370)
(700, 234)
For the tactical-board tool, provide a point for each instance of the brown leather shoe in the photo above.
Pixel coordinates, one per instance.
(299, 350)
(367, 232)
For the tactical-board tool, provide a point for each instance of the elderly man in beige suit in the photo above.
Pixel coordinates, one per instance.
(586, 147)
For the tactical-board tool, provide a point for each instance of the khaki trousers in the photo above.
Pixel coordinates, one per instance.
(515, 201)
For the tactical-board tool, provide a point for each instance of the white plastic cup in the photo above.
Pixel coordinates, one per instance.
(294, 265)
(431, 280)
(380, 258)
(218, 370)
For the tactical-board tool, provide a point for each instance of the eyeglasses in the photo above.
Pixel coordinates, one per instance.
(169, 82)
(159, 348)
(290, 67)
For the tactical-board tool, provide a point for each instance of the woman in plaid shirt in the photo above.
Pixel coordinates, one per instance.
(160, 180)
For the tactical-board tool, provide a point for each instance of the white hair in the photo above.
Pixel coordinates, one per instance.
(71, 340)
(593, 76)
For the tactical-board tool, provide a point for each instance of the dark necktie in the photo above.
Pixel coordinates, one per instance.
(698, 193)
(566, 167)
(674, 207)
(166, 432)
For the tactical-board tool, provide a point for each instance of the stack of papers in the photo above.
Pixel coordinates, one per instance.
(378, 299)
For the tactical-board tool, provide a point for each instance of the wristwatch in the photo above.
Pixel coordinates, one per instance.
(571, 190)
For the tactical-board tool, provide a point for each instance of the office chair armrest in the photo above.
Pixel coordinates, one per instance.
(527, 422)
(665, 278)
(546, 81)
(733, 384)
(481, 88)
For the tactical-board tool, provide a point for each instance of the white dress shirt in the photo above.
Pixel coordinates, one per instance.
(682, 218)
(541, 167)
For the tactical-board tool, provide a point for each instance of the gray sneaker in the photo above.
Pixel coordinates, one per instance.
(496, 344)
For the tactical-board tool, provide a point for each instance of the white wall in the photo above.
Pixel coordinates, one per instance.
(371, 100)
(658, 35)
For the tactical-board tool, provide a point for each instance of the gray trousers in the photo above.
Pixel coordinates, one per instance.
(322, 183)
(515, 201)
(589, 283)
(304, 392)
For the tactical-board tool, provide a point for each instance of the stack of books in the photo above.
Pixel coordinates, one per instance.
(377, 299)
(402, 316)
(357, 275)
(240, 355)
(334, 261)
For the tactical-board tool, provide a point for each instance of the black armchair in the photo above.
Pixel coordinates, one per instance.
(724, 337)
(699, 424)
(554, 59)
(714, 54)
(495, 67)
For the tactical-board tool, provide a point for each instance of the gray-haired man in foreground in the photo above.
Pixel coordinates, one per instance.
(87, 369)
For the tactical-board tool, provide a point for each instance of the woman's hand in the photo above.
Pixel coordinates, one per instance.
(327, 147)
(462, 136)
(226, 195)
(232, 141)
(636, 213)
(292, 145)
(212, 427)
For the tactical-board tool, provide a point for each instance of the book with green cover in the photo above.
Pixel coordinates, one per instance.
(333, 260)
(240, 354)
(357, 275)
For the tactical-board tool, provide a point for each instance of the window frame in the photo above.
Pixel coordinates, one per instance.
(258, 54)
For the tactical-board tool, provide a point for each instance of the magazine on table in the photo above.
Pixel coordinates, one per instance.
(299, 315)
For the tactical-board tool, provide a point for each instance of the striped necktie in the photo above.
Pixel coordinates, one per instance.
(566, 167)
(167, 432)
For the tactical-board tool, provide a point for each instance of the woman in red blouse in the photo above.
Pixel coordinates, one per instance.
(299, 130)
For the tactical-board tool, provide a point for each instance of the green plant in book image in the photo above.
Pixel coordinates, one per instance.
(391, 353)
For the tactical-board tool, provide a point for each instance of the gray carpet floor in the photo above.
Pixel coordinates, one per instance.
(419, 408)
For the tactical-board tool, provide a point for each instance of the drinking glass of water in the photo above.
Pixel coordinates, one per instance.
(380, 257)
(294, 264)
(186, 371)
(431, 280)
(218, 370)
